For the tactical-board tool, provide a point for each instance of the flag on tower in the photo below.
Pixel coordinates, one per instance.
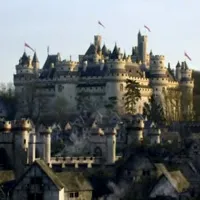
(187, 56)
(28, 46)
(101, 24)
(147, 28)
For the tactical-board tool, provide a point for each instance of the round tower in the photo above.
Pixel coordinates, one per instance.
(22, 128)
(135, 129)
(5, 126)
(158, 76)
(178, 71)
(46, 134)
(115, 86)
(32, 148)
(187, 86)
(111, 146)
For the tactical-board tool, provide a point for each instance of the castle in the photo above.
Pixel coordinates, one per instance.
(100, 74)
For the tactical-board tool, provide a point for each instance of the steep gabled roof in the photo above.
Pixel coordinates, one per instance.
(91, 50)
(46, 170)
(74, 181)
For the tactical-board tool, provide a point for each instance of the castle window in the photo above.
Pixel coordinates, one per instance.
(154, 62)
(160, 62)
(121, 87)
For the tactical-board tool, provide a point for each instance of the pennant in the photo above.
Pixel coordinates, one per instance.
(28, 46)
(147, 28)
(101, 24)
(187, 56)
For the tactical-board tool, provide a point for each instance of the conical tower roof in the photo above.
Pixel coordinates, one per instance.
(115, 53)
(178, 65)
(35, 58)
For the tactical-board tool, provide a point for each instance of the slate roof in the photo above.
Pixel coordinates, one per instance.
(50, 59)
(35, 58)
(48, 74)
(93, 71)
(45, 168)
(91, 50)
(24, 59)
(115, 54)
(74, 181)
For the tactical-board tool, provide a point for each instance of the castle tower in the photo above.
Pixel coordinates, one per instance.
(97, 41)
(32, 148)
(111, 146)
(46, 134)
(187, 86)
(21, 129)
(178, 71)
(35, 62)
(142, 48)
(158, 76)
(135, 129)
(115, 87)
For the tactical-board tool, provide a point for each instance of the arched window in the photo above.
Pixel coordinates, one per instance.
(121, 87)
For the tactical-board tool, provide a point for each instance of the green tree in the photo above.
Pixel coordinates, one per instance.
(131, 96)
(9, 99)
(60, 110)
(154, 111)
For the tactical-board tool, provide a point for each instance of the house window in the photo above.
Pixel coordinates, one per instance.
(76, 194)
(121, 87)
(71, 195)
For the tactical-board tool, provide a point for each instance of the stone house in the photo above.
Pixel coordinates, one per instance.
(41, 183)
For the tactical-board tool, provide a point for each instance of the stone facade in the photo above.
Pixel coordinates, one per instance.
(99, 74)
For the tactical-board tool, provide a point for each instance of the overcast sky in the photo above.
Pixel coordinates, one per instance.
(68, 27)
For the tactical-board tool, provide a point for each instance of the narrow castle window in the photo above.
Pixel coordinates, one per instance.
(121, 87)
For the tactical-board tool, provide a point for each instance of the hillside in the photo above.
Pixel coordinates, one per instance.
(196, 76)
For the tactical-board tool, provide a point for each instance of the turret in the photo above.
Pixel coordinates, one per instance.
(111, 146)
(158, 76)
(35, 62)
(97, 41)
(32, 148)
(24, 65)
(5, 126)
(142, 48)
(178, 71)
(22, 128)
(45, 132)
(135, 128)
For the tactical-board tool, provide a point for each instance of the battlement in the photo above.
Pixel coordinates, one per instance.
(76, 160)
(23, 124)
(5, 126)
(157, 57)
(44, 130)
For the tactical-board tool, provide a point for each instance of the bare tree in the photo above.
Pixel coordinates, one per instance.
(172, 104)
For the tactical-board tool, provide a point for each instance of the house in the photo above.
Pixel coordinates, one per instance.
(42, 183)
(170, 184)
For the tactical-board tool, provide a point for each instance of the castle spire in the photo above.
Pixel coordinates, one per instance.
(35, 58)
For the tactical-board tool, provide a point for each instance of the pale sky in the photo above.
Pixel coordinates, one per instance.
(68, 27)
